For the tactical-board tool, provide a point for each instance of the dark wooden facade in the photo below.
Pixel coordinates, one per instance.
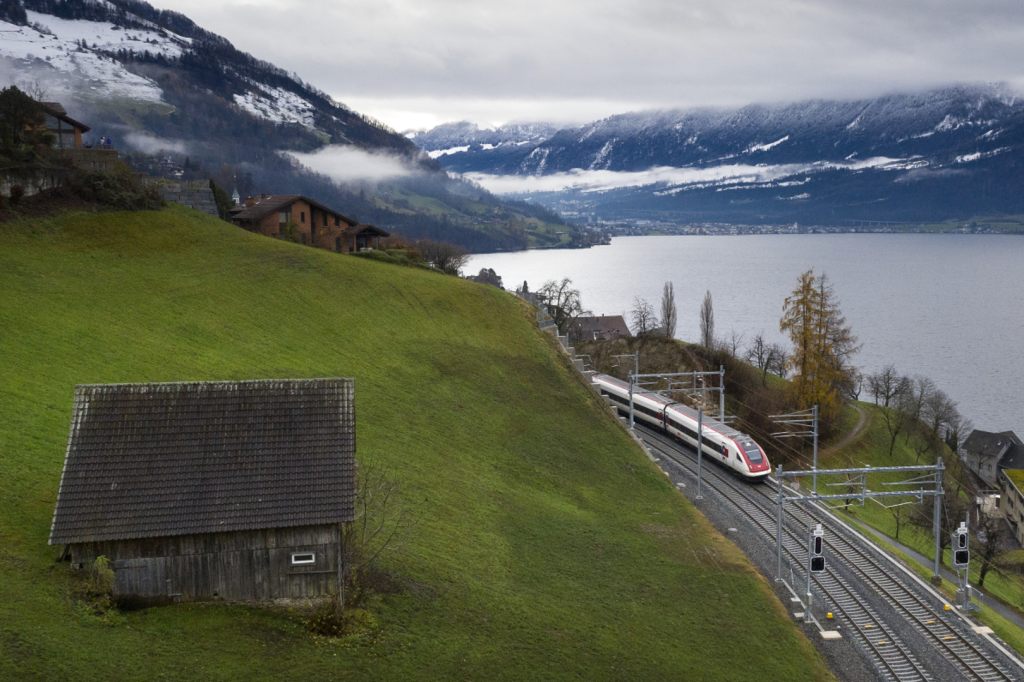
(256, 565)
(211, 490)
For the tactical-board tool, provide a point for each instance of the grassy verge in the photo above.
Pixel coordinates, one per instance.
(546, 544)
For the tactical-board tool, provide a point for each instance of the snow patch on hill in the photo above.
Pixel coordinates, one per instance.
(765, 147)
(58, 61)
(277, 105)
(436, 153)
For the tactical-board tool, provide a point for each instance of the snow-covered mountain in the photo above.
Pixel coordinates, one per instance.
(155, 83)
(453, 138)
(943, 154)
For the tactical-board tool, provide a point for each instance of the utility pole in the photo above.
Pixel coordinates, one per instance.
(721, 392)
(937, 520)
(632, 379)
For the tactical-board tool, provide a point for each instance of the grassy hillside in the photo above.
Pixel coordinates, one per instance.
(546, 544)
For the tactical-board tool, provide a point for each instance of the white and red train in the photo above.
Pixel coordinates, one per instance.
(723, 444)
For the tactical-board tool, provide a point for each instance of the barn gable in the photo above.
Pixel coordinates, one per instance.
(173, 459)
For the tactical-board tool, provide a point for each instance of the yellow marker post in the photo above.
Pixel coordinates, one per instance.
(829, 616)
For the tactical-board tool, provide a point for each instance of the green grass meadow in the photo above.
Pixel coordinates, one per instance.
(545, 546)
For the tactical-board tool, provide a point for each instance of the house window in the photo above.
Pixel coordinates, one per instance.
(325, 220)
(302, 216)
(337, 243)
(303, 558)
(282, 221)
(337, 221)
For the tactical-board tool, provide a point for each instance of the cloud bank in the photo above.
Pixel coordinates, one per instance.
(670, 177)
(150, 144)
(348, 165)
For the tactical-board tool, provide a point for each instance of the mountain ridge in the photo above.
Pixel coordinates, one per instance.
(894, 151)
(158, 85)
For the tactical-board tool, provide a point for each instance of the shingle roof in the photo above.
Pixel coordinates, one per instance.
(277, 202)
(57, 110)
(986, 445)
(154, 460)
(591, 327)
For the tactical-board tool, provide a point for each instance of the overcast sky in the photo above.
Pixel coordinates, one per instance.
(416, 63)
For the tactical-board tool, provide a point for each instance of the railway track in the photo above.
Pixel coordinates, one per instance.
(886, 650)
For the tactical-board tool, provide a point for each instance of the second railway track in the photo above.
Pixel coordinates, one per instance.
(885, 648)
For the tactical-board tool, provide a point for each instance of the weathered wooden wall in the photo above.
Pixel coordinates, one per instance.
(240, 566)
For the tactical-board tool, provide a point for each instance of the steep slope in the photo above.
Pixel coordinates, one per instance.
(945, 154)
(545, 545)
(159, 86)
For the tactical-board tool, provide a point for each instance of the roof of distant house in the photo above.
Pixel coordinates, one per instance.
(57, 109)
(158, 460)
(601, 326)
(264, 206)
(986, 444)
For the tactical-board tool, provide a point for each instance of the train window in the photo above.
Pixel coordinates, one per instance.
(752, 451)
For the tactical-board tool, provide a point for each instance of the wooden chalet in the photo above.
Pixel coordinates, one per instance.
(293, 216)
(232, 490)
(67, 132)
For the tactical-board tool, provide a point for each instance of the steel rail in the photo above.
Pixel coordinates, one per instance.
(954, 645)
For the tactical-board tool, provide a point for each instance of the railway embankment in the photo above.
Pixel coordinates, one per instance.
(544, 544)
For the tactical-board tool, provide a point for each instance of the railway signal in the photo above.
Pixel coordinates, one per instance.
(817, 545)
(961, 549)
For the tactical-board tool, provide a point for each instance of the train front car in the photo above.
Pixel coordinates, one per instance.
(754, 463)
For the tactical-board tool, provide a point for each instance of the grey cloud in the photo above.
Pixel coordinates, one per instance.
(641, 53)
(347, 165)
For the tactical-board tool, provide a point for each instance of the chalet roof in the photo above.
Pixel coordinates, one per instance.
(277, 202)
(591, 327)
(57, 110)
(987, 445)
(371, 230)
(155, 460)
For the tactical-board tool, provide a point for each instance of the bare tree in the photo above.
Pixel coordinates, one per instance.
(562, 301)
(448, 258)
(733, 343)
(896, 417)
(884, 385)
(669, 315)
(778, 359)
(854, 384)
(644, 320)
(707, 322)
(381, 521)
(758, 356)
(767, 357)
(990, 538)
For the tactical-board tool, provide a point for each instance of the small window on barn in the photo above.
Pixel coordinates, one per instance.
(303, 558)
(283, 219)
(302, 216)
(325, 220)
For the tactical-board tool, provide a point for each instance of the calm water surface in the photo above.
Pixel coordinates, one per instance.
(949, 307)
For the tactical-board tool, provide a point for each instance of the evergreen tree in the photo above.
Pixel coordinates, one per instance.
(822, 345)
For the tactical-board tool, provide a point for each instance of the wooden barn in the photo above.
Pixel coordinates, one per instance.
(232, 490)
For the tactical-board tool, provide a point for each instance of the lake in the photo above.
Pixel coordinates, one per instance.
(949, 307)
